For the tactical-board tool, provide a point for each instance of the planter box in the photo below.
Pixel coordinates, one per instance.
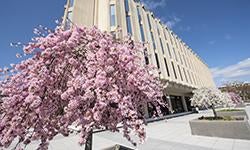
(233, 113)
(118, 147)
(219, 128)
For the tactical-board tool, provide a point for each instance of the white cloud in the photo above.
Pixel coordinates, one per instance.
(154, 4)
(171, 23)
(239, 71)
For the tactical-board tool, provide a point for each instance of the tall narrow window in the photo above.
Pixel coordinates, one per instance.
(149, 23)
(175, 54)
(180, 57)
(151, 34)
(165, 34)
(175, 75)
(184, 59)
(190, 78)
(180, 72)
(157, 61)
(128, 18)
(126, 6)
(71, 3)
(193, 78)
(171, 39)
(146, 56)
(175, 42)
(153, 40)
(141, 27)
(158, 31)
(170, 55)
(142, 34)
(161, 46)
(185, 74)
(166, 65)
(69, 19)
(129, 28)
(112, 15)
(138, 13)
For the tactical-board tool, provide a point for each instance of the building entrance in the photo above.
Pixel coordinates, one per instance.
(176, 104)
(188, 102)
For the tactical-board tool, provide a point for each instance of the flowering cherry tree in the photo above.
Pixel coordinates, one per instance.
(209, 98)
(235, 98)
(80, 77)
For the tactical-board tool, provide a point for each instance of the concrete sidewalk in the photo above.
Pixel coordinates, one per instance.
(171, 134)
(175, 134)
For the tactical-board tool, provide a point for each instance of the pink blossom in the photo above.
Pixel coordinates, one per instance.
(79, 76)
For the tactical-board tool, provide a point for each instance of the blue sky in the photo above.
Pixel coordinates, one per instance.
(218, 30)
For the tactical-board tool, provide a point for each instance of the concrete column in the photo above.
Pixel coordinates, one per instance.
(184, 103)
(169, 104)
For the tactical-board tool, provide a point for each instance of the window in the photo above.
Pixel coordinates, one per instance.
(146, 57)
(185, 74)
(193, 77)
(138, 13)
(126, 6)
(157, 61)
(175, 42)
(151, 34)
(166, 65)
(129, 28)
(180, 72)
(158, 31)
(112, 15)
(175, 54)
(71, 3)
(142, 34)
(180, 57)
(188, 65)
(69, 19)
(161, 46)
(184, 59)
(171, 39)
(190, 78)
(174, 70)
(128, 18)
(141, 27)
(149, 23)
(169, 51)
(165, 35)
(153, 40)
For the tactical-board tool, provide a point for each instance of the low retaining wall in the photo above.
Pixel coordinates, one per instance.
(224, 129)
(118, 147)
(149, 120)
(232, 113)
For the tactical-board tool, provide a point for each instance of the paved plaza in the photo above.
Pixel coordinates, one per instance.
(171, 134)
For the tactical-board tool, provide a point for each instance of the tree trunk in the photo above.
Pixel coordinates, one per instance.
(215, 114)
(88, 144)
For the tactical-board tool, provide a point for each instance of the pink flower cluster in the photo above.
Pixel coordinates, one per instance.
(235, 98)
(79, 77)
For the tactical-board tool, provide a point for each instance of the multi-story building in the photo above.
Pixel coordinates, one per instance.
(179, 67)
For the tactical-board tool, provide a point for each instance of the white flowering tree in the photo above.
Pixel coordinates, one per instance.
(210, 98)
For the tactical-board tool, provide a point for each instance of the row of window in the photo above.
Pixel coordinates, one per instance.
(182, 58)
